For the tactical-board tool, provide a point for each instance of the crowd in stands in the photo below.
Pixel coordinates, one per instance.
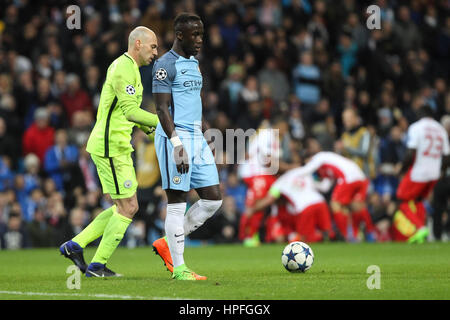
(314, 63)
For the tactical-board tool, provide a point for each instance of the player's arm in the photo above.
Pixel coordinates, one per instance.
(163, 76)
(323, 185)
(123, 83)
(272, 196)
(408, 160)
(412, 144)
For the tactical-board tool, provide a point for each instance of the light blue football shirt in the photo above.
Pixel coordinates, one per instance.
(180, 77)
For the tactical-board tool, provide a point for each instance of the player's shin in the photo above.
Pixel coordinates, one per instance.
(175, 231)
(113, 234)
(198, 213)
(95, 229)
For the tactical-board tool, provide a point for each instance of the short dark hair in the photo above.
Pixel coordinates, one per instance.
(184, 18)
(425, 111)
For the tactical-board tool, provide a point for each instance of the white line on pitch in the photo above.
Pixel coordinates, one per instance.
(91, 295)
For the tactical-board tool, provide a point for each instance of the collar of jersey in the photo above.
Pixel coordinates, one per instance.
(134, 62)
(179, 56)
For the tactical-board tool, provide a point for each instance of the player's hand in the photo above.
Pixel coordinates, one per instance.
(151, 134)
(181, 159)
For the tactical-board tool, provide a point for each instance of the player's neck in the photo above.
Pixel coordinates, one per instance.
(133, 55)
(178, 50)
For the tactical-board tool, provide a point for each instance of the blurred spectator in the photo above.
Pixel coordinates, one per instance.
(230, 89)
(39, 136)
(14, 236)
(6, 174)
(356, 142)
(75, 98)
(237, 190)
(406, 31)
(41, 234)
(275, 79)
(306, 77)
(88, 170)
(32, 168)
(348, 50)
(61, 161)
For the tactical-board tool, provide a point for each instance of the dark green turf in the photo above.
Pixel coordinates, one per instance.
(235, 272)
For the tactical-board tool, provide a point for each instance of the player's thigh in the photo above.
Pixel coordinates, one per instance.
(342, 194)
(305, 221)
(204, 175)
(408, 189)
(117, 175)
(210, 192)
(170, 177)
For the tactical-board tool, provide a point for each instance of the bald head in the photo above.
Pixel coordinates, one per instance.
(140, 33)
(142, 45)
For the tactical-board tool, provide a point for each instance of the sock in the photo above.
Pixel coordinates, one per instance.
(198, 213)
(341, 221)
(175, 231)
(113, 234)
(95, 229)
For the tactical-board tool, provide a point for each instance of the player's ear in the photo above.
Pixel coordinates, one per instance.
(179, 35)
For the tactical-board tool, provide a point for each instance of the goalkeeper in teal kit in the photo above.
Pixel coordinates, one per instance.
(110, 148)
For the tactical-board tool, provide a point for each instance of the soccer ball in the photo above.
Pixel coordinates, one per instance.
(297, 257)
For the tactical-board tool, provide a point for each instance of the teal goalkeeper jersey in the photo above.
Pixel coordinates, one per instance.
(121, 94)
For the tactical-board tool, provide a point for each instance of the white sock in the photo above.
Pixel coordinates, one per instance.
(175, 232)
(198, 213)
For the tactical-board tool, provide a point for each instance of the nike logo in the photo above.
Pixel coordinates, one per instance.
(67, 252)
(97, 275)
(179, 235)
(183, 71)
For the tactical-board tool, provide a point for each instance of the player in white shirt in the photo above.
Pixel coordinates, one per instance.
(428, 152)
(259, 172)
(306, 216)
(348, 199)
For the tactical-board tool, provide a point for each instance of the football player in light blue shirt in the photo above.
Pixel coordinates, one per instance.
(186, 162)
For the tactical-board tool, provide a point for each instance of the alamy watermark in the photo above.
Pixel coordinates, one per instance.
(74, 280)
(73, 20)
(374, 19)
(374, 280)
(255, 148)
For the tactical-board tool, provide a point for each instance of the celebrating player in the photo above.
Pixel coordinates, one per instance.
(259, 173)
(428, 152)
(185, 159)
(348, 200)
(309, 219)
(110, 148)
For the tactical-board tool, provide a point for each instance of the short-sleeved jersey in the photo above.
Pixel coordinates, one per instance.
(181, 78)
(299, 189)
(121, 92)
(334, 166)
(430, 140)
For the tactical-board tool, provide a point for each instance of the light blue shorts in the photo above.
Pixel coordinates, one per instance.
(202, 167)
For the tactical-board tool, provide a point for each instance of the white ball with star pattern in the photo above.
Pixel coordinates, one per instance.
(297, 257)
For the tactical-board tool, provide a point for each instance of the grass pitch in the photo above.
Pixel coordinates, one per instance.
(234, 272)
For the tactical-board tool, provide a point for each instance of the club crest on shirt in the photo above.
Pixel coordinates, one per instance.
(130, 89)
(161, 74)
(127, 184)
(176, 179)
